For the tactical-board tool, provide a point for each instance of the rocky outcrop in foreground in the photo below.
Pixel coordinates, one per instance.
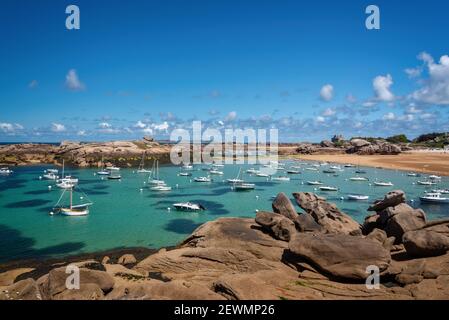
(320, 253)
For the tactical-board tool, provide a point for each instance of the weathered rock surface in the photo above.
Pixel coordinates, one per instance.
(127, 259)
(278, 225)
(391, 199)
(284, 206)
(326, 214)
(341, 255)
(424, 243)
(22, 290)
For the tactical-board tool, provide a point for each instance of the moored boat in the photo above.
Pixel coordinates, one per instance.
(434, 198)
(329, 189)
(383, 184)
(315, 183)
(188, 206)
(5, 171)
(244, 187)
(202, 179)
(358, 197)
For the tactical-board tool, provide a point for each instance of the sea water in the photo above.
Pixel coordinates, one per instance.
(127, 214)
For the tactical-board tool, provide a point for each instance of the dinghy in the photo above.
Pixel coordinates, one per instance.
(315, 183)
(332, 189)
(312, 169)
(329, 171)
(358, 197)
(383, 184)
(434, 198)
(202, 179)
(185, 174)
(412, 174)
(358, 179)
(244, 187)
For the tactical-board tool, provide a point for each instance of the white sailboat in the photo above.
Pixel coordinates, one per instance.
(142, 166)
(71, 210)
(103, 171)
(238, 179)
(153, 179)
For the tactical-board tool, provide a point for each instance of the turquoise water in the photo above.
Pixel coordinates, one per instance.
(124, 216)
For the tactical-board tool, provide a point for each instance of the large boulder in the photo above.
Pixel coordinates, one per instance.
(278, 225)
(54, 286)
(403, 218)
(306, 223)
(22, 290)
(284, 206)
(340, 255)
(326, 214)
(327, 144)
(424, 243)
(359, 143)
(127, 259)
(391, 199)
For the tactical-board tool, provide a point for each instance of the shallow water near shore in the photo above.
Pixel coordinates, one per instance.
(124, 216)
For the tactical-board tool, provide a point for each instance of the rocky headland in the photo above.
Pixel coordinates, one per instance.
(318, 253)
(120, 153)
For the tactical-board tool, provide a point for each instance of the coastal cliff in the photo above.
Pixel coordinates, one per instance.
(320, 253)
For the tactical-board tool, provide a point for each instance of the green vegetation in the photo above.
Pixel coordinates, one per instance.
(400, 138)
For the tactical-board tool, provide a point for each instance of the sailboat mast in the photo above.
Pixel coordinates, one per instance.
(63, 164)
(71, 198)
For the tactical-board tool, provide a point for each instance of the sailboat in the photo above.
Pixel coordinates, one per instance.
(71, 210)
(66, 182)
(103, 171)
(237, 179)
(114, 173)
(153, 179)
(142, 166)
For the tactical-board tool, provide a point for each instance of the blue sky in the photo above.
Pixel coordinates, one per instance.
(148, 67)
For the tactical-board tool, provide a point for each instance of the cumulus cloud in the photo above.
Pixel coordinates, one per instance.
(73, 82)
(57, 127)
(140, 125)
(329, 112)
(389, 116)
(320, 119)
(231, 116)
(104, 125)
(327, 92)
(161, 126)
(10, 128)
(435, 89)
(382, 88)
(81, 133)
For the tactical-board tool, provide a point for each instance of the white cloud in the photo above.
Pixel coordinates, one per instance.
(73, 82)
(413, 109)
(413, 72)
(320, 119)
(10, 128)
(389, 116)
(369, 104)
(160, 127)
(104, 125)
(231, 116)
(82, 133)
(436, 88)
(382, 88)
(327, 92)
(57, 127)
(140, 125)
(329, 112)
(351, 98)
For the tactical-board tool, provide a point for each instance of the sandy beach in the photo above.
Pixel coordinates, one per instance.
(425, 162)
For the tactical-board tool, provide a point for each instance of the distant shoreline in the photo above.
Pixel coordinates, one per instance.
(422, 162)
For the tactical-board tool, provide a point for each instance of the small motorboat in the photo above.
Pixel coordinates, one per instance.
(337, 168)
(358, 179)
(332, 189)
(218, 165)
(202, 179)
(252, 171)
(233, 181)
(383, 184)
(329, 171)
(187, 167)
(103, 173)
(262, 175)
(216, 172)
(5, 171)
(244, 187)
(184, 174)
(412, 174)
(50, 176)
(156, 182)
(433, 177)
(360, 172)
(349, 165)
(55, 171)
(315, 183)
(293, 172)
(160, 188)
(280, 179)
(65, 184)
(426, 183)
(434, 198)
(188, 206)
(312, 169)
(442, 191)
(69, 179)
(357, 197)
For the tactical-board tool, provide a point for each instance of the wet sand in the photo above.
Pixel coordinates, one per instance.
(424, 162)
